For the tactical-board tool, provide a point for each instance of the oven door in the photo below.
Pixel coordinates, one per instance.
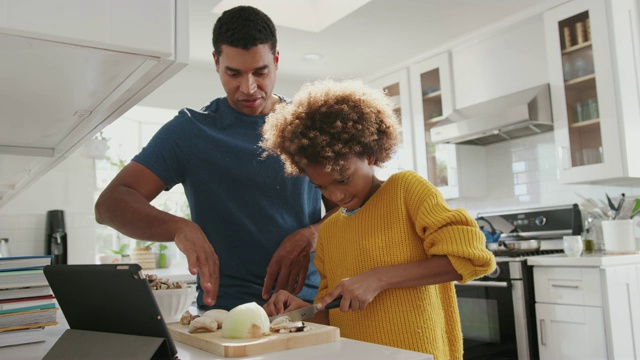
(488, 319)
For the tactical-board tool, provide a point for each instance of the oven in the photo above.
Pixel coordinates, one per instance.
(497, 311)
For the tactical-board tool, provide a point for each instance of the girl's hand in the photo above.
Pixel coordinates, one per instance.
(357, 292)
(282, 302)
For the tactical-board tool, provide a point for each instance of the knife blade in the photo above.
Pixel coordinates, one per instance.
(307, 311)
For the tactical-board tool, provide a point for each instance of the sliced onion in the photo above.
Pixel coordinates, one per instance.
(246, 321)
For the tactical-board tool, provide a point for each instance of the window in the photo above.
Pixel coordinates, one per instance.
(125, 138)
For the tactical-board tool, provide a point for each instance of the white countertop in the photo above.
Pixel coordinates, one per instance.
(595, 259)
(343, 349)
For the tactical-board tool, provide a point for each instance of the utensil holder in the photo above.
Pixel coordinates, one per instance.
(618, 236)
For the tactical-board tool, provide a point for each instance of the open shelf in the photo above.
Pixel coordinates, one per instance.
(577, 47)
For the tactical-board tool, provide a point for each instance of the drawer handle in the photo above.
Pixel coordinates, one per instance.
(566, 286)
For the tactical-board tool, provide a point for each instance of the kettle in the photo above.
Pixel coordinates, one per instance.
(491, 236)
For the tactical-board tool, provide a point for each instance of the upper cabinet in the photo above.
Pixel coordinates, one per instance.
(396, 85)
(70, 68)
(456, 170)
(593, 54)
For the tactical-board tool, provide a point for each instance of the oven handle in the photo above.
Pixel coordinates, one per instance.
(491, 284)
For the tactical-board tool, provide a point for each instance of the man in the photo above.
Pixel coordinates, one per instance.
(253, 229)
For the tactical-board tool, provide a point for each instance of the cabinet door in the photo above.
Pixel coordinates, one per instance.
(570, 332)
(432, 102)
(396, 85)
(585, 116)
(622, 311)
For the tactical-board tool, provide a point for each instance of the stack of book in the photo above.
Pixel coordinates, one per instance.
(27, 304)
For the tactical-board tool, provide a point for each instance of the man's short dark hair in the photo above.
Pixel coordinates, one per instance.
(244, 27)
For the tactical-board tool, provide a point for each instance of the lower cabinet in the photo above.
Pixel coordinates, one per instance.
(588, 312)
(570, 332)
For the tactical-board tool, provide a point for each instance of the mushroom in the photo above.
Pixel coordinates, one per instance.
(217, 314)
(203, 324)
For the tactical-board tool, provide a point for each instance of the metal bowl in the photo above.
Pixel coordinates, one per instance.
(531, 245)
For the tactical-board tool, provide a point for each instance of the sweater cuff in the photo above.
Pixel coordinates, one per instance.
(466, 269)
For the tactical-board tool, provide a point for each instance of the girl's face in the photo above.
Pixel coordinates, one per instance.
(350, 189)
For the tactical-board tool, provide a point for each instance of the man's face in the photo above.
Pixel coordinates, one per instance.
(248, 77)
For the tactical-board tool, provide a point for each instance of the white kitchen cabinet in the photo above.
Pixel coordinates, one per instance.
(396, 85)
(593, 54)
(510, 60)
(456, 170)
(71, 67)
(570, 332)
(587, 312)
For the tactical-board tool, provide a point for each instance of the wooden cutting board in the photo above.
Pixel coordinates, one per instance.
(214, 343)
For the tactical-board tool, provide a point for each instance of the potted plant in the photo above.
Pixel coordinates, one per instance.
(114, 258)
(162, 260)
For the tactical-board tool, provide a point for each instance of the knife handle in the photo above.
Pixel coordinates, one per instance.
(335, 303)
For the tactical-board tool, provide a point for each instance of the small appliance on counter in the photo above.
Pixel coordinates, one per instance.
(56, 237)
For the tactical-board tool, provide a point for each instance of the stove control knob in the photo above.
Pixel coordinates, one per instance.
(541, 220)
(495, 273)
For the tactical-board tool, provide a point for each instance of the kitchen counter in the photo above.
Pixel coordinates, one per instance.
(595, 259)
(343, 349)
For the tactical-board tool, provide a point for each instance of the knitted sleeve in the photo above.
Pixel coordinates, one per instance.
(448, 232)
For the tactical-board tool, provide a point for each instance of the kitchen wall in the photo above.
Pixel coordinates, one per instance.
(522, 173)
(70, 187)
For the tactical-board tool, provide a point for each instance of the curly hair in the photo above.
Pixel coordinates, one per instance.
(244, 27)
(328, 122)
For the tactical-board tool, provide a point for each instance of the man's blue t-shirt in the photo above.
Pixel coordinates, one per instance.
(243, 202)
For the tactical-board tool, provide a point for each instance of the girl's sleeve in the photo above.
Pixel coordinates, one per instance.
(453, 233)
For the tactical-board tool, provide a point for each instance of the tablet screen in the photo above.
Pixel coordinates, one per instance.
(114, 298)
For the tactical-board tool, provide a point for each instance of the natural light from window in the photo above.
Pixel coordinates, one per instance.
(126, 137)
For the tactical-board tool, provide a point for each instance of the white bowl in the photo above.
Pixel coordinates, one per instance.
(174, 302)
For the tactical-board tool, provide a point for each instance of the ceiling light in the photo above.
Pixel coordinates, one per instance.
(307, 15)
(312, 57)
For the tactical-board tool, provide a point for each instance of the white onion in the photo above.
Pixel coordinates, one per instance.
(246, 321)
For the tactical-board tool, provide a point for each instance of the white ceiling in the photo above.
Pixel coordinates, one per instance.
(376, 37)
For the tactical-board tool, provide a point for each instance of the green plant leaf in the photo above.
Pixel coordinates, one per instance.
(162, 247)
(121, 250)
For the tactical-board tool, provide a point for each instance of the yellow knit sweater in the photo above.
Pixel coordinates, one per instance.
(405, 221)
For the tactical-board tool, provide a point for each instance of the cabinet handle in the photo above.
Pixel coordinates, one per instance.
(542, 342)
(564, 157)
(566, 286)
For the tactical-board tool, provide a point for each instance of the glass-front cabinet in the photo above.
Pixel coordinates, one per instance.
(588, 122)
(396, 85)
(432, 101)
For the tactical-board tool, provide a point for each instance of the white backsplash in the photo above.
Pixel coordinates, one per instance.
(522, 173)
(70, 187)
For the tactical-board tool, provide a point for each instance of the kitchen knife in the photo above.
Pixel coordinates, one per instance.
(308, 311)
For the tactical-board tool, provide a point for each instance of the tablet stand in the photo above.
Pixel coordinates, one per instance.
(83, 344)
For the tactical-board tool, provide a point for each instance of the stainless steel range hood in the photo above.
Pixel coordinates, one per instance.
(516, 115)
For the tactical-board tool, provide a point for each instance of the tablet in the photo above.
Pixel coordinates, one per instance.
(111, 298)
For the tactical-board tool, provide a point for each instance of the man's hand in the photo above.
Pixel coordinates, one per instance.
(201, 257)
(290, 263)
